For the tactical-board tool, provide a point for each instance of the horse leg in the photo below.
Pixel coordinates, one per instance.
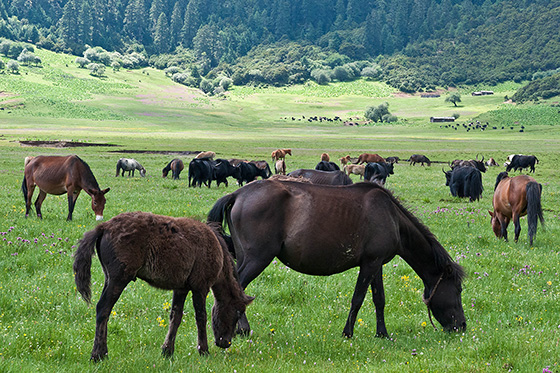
(248, 270)
(28, 198)
(504, 225)
(199, 303)
(39, 201)
(72, 197)
(175, 317)
(112, 290)
(378, 293)
(517, 226)
(365, 278)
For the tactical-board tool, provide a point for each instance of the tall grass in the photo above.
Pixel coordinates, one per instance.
(510, 296)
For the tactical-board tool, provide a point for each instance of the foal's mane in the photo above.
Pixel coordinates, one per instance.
(441, 256)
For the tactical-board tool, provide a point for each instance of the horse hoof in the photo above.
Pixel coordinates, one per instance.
(347, 334)
(167, 353)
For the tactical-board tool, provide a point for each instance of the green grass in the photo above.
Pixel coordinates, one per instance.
(510, 297)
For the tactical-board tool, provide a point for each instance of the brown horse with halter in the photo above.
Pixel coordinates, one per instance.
(301, 224)
(59, 175)
(178, 254)
(515, 197)
(175, 166)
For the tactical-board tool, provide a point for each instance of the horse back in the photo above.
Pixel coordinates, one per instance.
(314, 229)
(166, 252)
(52, 173)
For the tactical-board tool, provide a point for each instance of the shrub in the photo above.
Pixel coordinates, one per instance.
(321, 76)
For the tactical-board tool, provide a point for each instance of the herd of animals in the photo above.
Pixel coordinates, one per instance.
(184, 255)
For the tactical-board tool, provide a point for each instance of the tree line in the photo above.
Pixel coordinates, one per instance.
(413, 44)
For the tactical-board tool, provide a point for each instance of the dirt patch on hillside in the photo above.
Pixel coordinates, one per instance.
(61, 144)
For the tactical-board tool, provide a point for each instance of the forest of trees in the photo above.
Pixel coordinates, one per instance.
(413, 44)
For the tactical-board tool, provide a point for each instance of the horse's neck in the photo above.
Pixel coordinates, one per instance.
(422, 258)
(226, 285)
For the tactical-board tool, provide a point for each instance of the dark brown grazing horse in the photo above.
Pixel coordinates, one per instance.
(323, 230)
(58, 175)
(178, 254)
(175, 166)
(515, 197)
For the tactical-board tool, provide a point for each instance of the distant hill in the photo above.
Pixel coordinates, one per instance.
(415, 44)
(542, 88)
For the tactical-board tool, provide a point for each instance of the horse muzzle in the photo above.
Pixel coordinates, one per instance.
(98, 217)
(223, 343)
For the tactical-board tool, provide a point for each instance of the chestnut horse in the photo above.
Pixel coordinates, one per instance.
(58, 175)
(515, 197)
(178, 254)
(175, 166)
(369, 158)
(301, 224)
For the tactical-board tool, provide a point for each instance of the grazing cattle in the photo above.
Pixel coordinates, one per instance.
(491, 162)
(178, 254)
(236, 161)
(201, 172)
(327, 166)
(515, 197)
(369, 158)
(356, 169)
(510, 157)
(208, 155)
(263, 165)
(419, 158)
(325, 157)
(175, 166)
(464, 182)
(377, 172)
(392, 159)
(322, 230)
(336, 177)
(247, 172)
(221, 170)
(470, 163)
(130, 165)
(280, 167)
(519, 162)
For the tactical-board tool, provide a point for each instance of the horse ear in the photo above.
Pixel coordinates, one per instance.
(249, 300)
(491, 213)
(104, 191)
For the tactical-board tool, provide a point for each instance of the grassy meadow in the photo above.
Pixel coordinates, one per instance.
(510, 297)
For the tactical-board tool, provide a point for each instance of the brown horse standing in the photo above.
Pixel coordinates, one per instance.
(178, 254)
(58, 175)
(175, 166)
(515, 197)
(301, 224)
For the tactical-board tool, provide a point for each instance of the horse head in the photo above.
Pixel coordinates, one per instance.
(98, 202)
(444, 299)
(225, 318)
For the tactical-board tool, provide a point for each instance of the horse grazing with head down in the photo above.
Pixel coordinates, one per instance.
(515, 197)
(178, 254)
(58, 175)
(376, 227)
(175, 166)
(130, 165)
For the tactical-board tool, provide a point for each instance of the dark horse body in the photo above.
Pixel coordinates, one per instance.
(59, 175)
(515, 197)
(323, 230)
(178, 254)
(175, 166)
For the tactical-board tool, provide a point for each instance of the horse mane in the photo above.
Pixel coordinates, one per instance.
(441, 256)
(88, 171)
(501, 176)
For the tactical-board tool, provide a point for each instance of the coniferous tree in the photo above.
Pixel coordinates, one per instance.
(176, 23)
(191, 22)
(155, 11)
(135, 21)
(68, 23)
(162, 35)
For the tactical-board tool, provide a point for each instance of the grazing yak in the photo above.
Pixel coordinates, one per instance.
(464, 182)
(221, 170)
(378, 172)
(519, 162)
(419, 158)
(480, 165)
(327, 166)
(356, 169)
(201, 172)
(248, 171)
(323, 177)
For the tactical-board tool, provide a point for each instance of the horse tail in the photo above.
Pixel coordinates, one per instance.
(118, 167)
(534, 208)
(218, 216)
(24, 188)
(82, 261)
(500, 177)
